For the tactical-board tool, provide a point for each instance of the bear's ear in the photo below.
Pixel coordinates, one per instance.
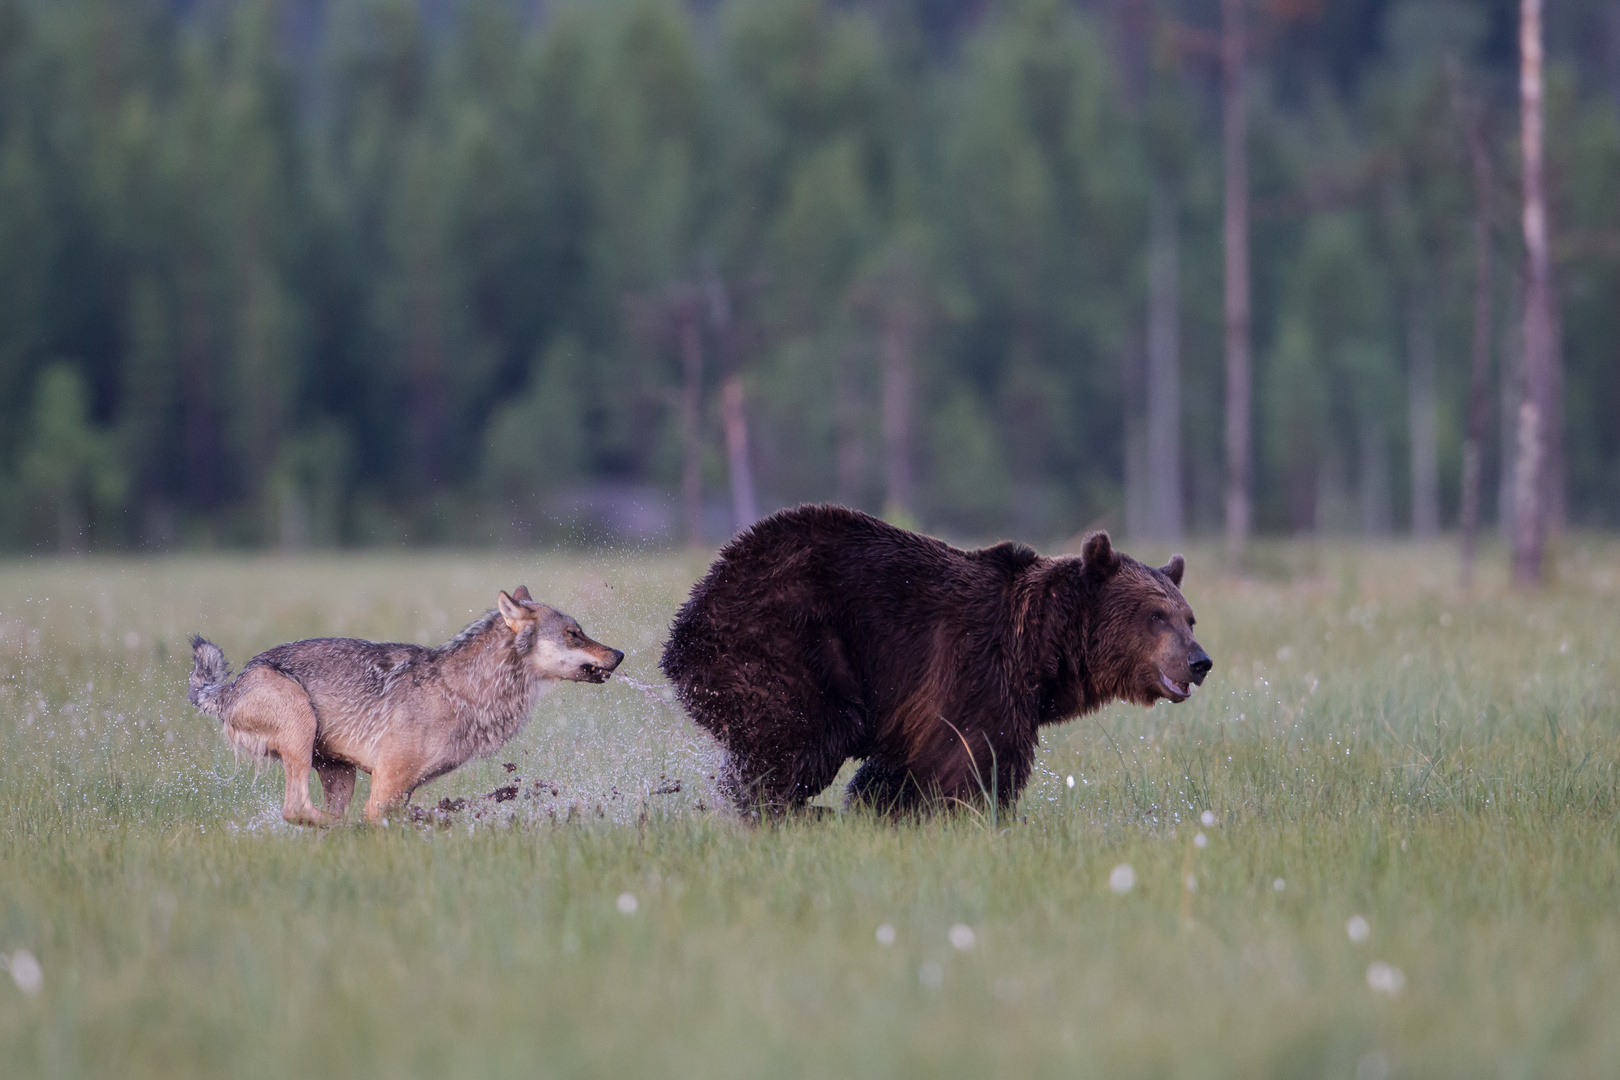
(1098, 559)
(1174, 569)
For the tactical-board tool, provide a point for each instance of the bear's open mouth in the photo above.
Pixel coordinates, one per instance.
(1177, 691)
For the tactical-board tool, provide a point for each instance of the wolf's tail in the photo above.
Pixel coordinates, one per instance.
(209, 677)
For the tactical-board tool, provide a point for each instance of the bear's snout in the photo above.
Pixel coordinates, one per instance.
(1199, 663)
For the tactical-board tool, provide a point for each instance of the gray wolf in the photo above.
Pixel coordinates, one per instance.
(403, 713)
(822, 634)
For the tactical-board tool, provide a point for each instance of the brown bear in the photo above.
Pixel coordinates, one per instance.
(822, 634)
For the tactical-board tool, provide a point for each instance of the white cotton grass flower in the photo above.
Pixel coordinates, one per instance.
(627, 903)
(1373, 1065)
(1357, 929)
(1200, 841)
(25, 971)
(1279, 885)
(1207, 818)
(1385, 978)
(962, 937)
(1122, 879)
(1071, 780)
(885, 935)
(931, 974)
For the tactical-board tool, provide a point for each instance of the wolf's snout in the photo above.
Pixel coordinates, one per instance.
(1200, 664)
(599, 671)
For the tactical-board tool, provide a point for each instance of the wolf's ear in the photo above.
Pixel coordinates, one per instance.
(1174, 569)
(513, 612)
(1098, 559)
(521, 594)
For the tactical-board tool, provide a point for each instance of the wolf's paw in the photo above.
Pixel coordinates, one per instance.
(310, 815)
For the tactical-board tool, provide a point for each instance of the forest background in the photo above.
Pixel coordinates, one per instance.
(352, 272)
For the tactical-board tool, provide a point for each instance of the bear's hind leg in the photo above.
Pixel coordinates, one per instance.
(880, 787)
(781, 780)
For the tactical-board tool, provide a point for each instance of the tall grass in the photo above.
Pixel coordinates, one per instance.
(1372, 742)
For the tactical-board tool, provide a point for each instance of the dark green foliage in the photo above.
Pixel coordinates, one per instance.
(370, 270)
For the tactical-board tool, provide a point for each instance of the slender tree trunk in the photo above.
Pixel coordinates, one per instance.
(744, 504)
(197, 389)
(1421, 409)
(1480, 358)
(426, 391)
(901, 324)
(1557, 480)
(1374, 479)
(1164, 364)
(849, 464)
(70, 520)
(1512, 392)
(1530, 502)
(690, 339)
(1137, 516)
(1236, 228)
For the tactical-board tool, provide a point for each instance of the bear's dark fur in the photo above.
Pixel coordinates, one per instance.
(823, 634)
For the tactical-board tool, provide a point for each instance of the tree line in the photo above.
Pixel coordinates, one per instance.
(379, 271)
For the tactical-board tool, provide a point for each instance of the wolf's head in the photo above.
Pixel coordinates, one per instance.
(551, 644)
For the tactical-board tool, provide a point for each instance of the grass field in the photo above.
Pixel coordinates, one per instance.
(1373, 745)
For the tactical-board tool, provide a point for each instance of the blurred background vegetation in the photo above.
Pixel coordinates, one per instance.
(343, 272)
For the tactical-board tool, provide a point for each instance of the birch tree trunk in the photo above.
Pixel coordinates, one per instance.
(898, 341)
(849, 455)
(1373, 483)
(1512, 392)
(1530, 503)
(1164, 365)
(689, 337)
(900, 324)
(1236, 242)
(744, 505)
(1480, 358)
(1421, 407)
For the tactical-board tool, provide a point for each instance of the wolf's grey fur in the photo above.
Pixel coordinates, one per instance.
(409, 711)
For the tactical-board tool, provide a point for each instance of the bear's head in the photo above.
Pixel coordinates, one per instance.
(1140, 644)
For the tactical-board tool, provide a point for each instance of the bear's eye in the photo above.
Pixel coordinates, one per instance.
(1158, 616)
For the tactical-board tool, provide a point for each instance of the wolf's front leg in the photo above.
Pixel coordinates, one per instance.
(391, 784)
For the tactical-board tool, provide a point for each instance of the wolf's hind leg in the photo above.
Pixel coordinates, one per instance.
(273, 711)
(337, 785)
